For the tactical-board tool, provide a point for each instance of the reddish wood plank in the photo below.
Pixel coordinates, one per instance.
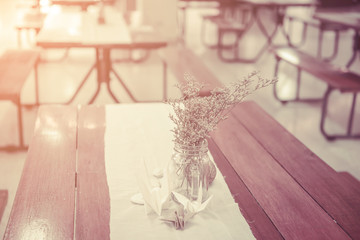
(350, 180)
(3, 201)
(259, 222)
(340, 199)
(44, 204)
(15, 66)
(182, 60)
(93, 201)
(294, 213)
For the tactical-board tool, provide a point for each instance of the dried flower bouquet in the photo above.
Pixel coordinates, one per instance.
(196, 116)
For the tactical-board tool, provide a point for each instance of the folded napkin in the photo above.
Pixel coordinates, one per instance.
(155, 195)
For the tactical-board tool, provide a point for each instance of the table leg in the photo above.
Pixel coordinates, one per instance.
(123, 85)
(107, 70)
(82, 83)
(103, 69)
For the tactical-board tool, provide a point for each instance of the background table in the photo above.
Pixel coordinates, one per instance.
(283, 189)
(74, 29)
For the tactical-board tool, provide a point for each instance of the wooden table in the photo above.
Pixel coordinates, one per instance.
(279, 7)
(349, 18)
(87, 30)
(283, 189)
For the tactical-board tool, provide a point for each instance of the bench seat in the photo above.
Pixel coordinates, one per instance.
(15, 67)
(335, 77)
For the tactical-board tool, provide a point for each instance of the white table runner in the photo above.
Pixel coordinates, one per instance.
(142, 131)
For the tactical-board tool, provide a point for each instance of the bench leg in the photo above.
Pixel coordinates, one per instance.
(324, 112)
(165, 81)
(335, 48)
(351, 116)
(298, 83)
(289, 32)
(21, 145)
(20, 124)
(297, 97)
(348, 134)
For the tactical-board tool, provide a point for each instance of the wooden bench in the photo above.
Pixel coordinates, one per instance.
(322, 26)
(182, 60)
(29, 20)
(64, 167)
(335, 77)
(15, 67)
(277, 207)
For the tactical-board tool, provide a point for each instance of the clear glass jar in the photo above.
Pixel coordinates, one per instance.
(188, 170)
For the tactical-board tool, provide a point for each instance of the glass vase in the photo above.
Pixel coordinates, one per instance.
(190, 170)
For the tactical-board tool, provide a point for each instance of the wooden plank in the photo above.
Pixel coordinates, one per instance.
(44, 204)
(182, 60)
(15, 66)
(327, 188)
(93, 201)
(350, 179)
(291, 209)
(3, 201)
(260, 224)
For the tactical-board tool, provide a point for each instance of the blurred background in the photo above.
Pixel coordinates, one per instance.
(193, 25)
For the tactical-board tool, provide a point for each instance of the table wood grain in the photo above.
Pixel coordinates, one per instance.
(45, 200)
(283, 190)
(294, 213)
(93, 201)
(332, 192)
(256, 217)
